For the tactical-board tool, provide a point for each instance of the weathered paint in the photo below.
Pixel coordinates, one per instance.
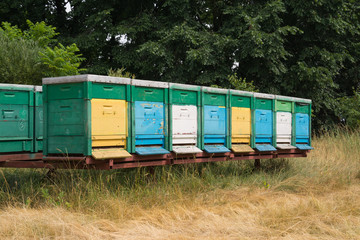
(283, 127)
(108, 122)
(149, 123)
(184, 124)
(149, 113)
(214, 124)
(240, 125)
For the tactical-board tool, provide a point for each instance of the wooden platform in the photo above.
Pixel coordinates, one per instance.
(37, 160)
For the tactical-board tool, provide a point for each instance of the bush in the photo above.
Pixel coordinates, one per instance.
(19, 61)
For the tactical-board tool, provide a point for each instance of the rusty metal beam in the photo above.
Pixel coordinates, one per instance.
(20, 157)
(24, 164)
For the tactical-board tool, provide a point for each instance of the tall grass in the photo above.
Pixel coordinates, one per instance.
(283, 192)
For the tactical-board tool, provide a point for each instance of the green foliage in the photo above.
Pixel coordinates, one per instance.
(120, 72)
(61, 61)
(41, 33)
(239, 83)
(38, 32)
(13, 32)
(19, 61)
(27, 56)
(349, 110)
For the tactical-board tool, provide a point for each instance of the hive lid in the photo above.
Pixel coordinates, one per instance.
(241, 93)
(285, 98)
(151, 151)
(147, 83)
(109, 153)
(264, 95)
(304, 147)
(216, 149)
(241, 148)
(302, 100)
(265, 147)
(38, 88)
(86, 78)
(184, 86)
(185, 149)
(214, 90)
(285, 146)
(6, 86)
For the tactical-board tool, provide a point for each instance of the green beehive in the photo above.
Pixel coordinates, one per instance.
(86, 115)
(17, 118)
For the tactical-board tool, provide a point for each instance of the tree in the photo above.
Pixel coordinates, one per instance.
(27, 56)
(316, 66)
(305, 49)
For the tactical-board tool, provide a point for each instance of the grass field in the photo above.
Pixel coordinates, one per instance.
(305, 198)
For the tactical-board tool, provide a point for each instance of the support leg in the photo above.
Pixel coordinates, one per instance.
(257, 164)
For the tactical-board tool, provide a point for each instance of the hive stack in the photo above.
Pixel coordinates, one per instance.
(88, 115)
(20, 131)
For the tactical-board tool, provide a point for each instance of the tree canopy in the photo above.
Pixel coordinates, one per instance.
(305, 49)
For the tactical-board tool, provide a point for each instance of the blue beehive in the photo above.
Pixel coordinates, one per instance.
(302, 123)
(149, 116)
(264, 122)
(216, 131)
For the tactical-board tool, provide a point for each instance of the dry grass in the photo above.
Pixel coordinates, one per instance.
(312, 198)
(236, 214)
